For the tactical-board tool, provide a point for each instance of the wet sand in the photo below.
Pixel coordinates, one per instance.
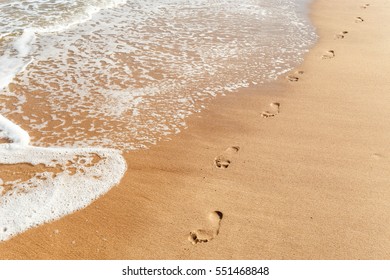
(304, 167)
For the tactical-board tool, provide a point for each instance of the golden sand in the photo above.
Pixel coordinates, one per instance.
(298, 169)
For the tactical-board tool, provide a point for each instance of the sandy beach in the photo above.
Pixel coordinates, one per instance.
(295, 169)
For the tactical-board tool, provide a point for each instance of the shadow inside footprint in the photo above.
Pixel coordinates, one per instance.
(341, 35)
(378, 156)
(328, 55)
(224, 159)
(273, 111)
(358, 19)
(206, 235)
(292, 78)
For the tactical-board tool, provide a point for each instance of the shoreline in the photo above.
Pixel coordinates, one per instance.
(310, 182)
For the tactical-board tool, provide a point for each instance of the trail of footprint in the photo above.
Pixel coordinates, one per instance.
(359, 19)
(294, 77)
(274, 110)
(206, 235)
(341, 35)
(328, 55)
(224, 159)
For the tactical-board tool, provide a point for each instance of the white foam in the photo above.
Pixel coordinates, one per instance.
(80, 177)
(151, 54)
(24, 42)
(11, 64)
(85, 16)
(9, 67)
(14, 132)
(121, 75)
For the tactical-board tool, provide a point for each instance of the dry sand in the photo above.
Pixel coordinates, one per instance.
(310, 179)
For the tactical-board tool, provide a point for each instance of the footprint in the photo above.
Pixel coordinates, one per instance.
(224, 159)
(358, 19)
(378, 156)
(328, 55)
(274, 110)
(365, 6)
(206, 235)
(294, 77)
(341, 35)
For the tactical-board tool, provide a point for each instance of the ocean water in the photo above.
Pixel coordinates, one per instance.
(126, 74)
(83, 81)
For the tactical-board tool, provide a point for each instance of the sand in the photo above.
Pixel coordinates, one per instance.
(304, 167)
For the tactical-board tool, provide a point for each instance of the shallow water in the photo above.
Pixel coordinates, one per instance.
(126, 74)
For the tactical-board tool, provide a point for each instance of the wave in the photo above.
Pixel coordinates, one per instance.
(73, 179)
(20, 31)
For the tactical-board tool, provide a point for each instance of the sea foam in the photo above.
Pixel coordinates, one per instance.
(22, 26)
(129, 77)
(24, 42)
(13, 132)
(73, 179)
